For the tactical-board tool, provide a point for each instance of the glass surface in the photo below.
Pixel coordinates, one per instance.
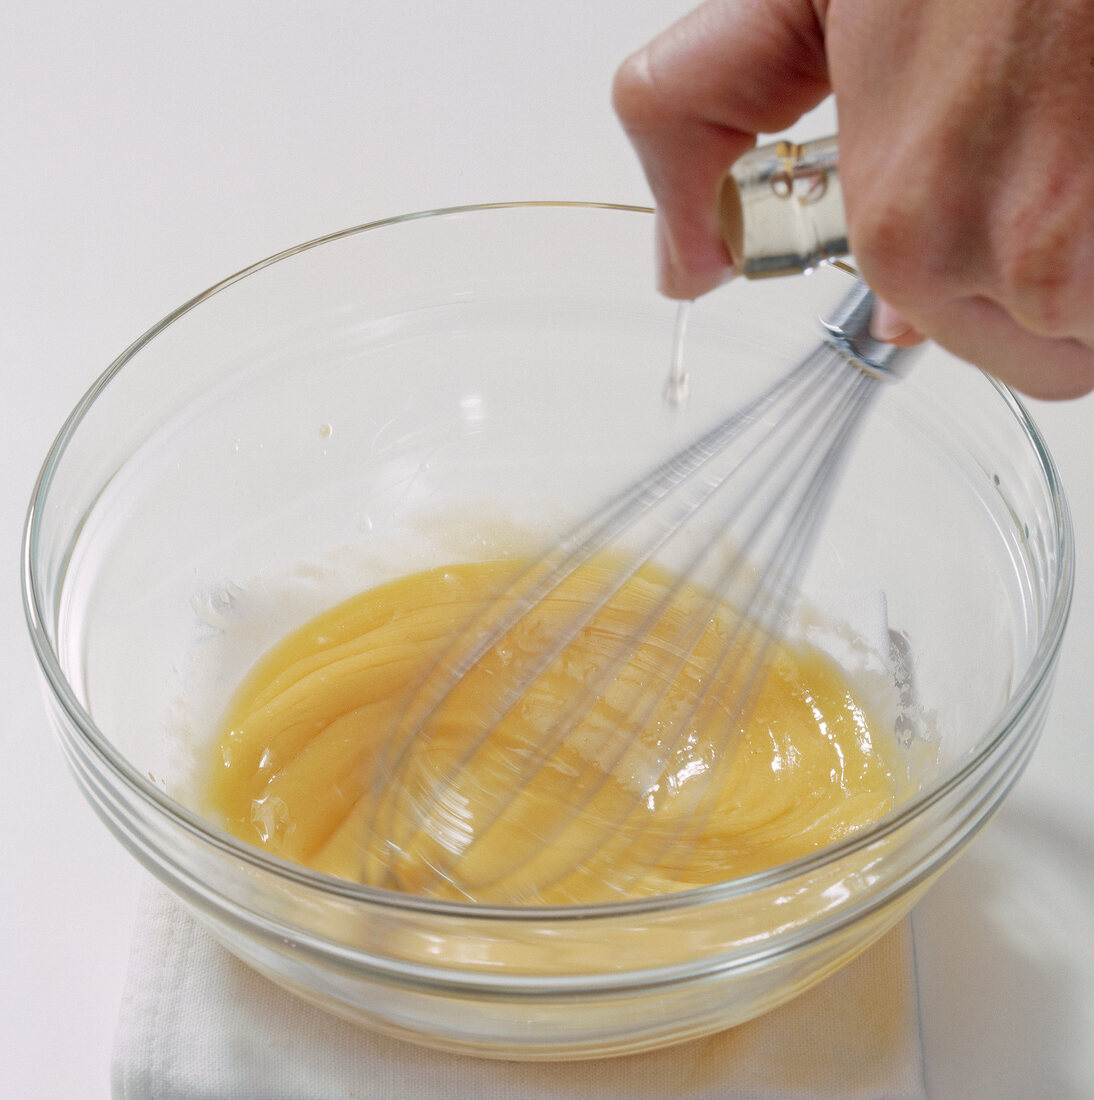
(475, 380)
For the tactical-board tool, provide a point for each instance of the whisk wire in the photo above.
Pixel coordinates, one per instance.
(739, 679)
(747, 638)
(574, 550)
(797, 434)
(640, 502)
(800, 536)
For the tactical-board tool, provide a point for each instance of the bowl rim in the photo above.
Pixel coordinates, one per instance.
(1024, 695)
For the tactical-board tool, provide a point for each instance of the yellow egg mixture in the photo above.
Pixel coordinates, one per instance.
(644, 786)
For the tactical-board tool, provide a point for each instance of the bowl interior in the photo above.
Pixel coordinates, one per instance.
(468, 384)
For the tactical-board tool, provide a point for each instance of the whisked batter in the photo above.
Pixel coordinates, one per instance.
(303, 765)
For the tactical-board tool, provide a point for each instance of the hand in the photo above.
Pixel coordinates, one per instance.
(966, 159)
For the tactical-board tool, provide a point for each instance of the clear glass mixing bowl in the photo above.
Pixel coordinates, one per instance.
(423, 389)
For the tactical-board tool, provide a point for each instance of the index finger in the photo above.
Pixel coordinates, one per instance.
(694, 99)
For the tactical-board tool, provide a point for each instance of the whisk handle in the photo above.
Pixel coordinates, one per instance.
(849, 332)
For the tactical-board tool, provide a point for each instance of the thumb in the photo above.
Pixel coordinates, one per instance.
(693, 101)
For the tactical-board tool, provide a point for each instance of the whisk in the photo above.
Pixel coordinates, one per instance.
(657, 699)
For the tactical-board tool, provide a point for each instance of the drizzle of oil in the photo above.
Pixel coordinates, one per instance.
(676, 385)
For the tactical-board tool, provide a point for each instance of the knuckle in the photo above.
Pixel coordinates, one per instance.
(635, 93)
(894, 243)
(1037, 277)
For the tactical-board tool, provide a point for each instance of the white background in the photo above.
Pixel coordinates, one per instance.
(146, 151)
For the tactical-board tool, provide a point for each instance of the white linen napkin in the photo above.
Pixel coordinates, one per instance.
(197, 1024)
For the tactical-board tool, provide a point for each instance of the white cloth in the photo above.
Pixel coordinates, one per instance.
(196, 1024)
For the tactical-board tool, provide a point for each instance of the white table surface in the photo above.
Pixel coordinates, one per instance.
(147, 150)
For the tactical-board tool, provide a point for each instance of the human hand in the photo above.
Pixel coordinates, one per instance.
(966, 159)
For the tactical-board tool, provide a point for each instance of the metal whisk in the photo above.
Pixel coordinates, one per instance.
(462, 813)
(556, 743)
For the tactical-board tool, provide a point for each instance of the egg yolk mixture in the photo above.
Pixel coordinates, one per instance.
(583, 787)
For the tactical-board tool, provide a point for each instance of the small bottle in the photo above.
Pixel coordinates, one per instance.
(782, 209)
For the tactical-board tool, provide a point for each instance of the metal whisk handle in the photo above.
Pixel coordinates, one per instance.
(849, 333)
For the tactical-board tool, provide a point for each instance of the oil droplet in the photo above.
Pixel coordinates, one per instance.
(326, 431)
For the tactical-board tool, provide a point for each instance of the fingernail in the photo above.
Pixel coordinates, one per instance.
(887, 324)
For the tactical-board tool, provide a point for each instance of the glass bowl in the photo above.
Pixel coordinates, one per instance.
(441, 386)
